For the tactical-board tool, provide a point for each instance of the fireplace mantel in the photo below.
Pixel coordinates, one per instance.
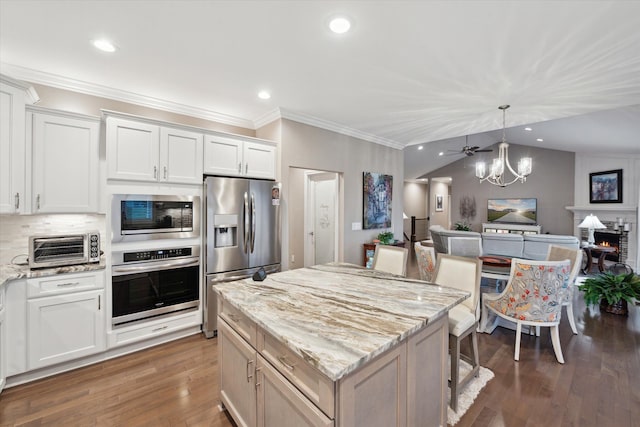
(603, 208)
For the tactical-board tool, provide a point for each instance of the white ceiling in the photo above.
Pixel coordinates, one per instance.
(409, 72)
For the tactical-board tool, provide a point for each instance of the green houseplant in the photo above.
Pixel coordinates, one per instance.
(611, 291)
(386, 237)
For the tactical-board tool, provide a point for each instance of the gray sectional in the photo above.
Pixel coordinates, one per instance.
(528, 246)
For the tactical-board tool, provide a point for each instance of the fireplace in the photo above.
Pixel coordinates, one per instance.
(613, 239)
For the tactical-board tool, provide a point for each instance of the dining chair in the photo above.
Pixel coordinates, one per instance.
(390, 259)
(533, 296)
(426, 257)
(462, 273)
(465, 246)
(559, 253)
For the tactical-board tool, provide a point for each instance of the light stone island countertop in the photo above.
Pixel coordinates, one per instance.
(10, 272)
(339, 316)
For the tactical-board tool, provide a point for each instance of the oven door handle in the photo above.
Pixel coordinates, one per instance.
(120, 270)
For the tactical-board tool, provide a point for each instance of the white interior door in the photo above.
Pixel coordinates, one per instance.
(321, 216)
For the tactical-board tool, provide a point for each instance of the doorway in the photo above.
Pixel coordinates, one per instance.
(321, 213)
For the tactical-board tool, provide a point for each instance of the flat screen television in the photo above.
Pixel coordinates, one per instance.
(513, 211)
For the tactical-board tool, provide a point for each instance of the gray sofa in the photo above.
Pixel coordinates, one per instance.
(528, 246)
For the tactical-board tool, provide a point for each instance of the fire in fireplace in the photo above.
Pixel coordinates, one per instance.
(611, 239)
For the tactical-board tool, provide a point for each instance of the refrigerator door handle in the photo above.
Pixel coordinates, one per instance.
(246, 222)
(253, 221)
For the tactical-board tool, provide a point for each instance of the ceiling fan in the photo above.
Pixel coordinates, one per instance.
(467, 149)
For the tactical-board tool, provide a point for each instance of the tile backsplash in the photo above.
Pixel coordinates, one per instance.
(16, 229)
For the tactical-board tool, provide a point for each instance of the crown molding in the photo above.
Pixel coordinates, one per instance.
(271, 116)
(338, 128)
(73, 85)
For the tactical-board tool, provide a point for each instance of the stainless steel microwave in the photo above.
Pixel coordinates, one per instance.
(136, 217)
(63, 250)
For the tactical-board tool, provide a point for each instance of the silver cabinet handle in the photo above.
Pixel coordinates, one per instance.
(64, 285)
(234, 317)
(246, 168)
(17, 201)
(253, 221)
(239, 167)
(165, 172)
(155, 172)
(258, 382)
(289, 366)
(38, 202)
(249, 370)
(99, 303)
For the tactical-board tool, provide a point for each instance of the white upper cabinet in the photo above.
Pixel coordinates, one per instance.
(65, 169)
(238, 157)
(13, 98)
(140, 151)
(180, 156)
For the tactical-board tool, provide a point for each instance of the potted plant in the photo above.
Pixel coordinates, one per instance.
(462, 226)
(611, 291)
(386, 237)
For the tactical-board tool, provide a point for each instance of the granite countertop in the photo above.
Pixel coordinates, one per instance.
(10, 272)
(339, 316)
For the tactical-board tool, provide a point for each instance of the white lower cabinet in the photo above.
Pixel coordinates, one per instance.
(65, 318)
(3, 341)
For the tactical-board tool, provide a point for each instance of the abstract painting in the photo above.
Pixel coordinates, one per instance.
(377, 196)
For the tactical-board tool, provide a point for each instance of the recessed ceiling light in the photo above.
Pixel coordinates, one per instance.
(539, 139)
(340, 25)
(441, 153)
(420, 147)
(528, 129)
(263, 94)
(104, 45)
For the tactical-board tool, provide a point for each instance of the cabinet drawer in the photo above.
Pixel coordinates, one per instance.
(62, 284)
(238, 322)
(147, 330)
(311, 382)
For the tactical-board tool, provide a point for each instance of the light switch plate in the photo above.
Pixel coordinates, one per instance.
(356, 226)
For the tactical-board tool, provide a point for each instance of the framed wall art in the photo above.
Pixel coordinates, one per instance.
(439, 202)
(377, 197)
(605, 187)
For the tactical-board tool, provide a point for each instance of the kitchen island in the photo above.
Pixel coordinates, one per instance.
(334, 345)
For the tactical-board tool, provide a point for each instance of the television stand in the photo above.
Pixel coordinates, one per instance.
(511, 228)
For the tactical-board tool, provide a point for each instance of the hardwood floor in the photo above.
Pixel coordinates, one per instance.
(176, 384)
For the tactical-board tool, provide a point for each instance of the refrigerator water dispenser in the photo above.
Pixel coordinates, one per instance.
(225, 230)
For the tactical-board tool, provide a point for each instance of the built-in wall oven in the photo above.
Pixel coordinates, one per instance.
(150, 283)
(137, 217)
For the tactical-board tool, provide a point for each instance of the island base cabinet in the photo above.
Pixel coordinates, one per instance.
(237, 361)
(280, 404)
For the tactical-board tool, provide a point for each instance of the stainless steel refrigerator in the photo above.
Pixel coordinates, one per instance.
(242, 226)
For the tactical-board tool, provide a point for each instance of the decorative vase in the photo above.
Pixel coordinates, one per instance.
(619, 307)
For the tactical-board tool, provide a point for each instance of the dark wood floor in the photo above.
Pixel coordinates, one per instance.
(176, 384)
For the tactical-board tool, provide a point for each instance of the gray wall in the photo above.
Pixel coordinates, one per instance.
(308, 147)
(551, 182)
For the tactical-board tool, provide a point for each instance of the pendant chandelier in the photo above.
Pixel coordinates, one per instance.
(497, 172)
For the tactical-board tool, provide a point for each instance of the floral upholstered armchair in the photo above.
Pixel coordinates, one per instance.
(533, 296)
(426, 258)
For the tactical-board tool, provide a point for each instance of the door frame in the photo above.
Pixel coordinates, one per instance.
(309, 247)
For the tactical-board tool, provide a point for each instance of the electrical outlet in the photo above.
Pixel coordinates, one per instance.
(355, 226)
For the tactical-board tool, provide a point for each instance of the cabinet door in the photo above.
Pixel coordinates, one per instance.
(376, 394)
(12, 149)
(180, 156)
(3, 344)
(65, 164)
(259, 160)
(133, 150)
(222, 156)
(281, 404)
(65, 327)
(237, 378)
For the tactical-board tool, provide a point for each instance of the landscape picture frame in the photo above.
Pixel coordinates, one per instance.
(605, 186)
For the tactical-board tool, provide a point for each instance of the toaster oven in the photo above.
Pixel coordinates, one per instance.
(63, 250)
